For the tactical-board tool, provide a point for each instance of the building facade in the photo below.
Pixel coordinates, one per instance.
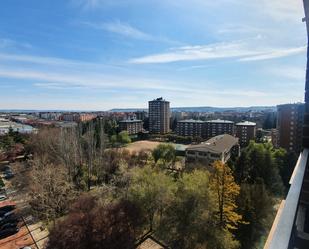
(77, 117)
(289, 125)
(192, 128)
(131, 126)
(245, 131)
(218, 148)
(159, 116)
(218, 127)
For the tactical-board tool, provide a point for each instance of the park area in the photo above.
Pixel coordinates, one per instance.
(149, 146)
(142, 146)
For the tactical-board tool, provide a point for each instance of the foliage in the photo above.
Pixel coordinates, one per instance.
(51, 191)
(96, 226)
(173, 138)
(189, 221)
(256, 206)
(164, 152)
(226, 191)
(121, 138)
(151, 190)
(260, 161)
(12, 145)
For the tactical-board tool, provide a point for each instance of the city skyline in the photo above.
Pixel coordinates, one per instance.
(102, 54)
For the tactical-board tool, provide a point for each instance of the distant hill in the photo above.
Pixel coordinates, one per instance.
(205, 109)
(174, 109)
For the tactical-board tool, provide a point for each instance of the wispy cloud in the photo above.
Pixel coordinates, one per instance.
(276, 53)
(8, 43)
(86, 80)
(120, 28)
(241, 50)
(127, 30)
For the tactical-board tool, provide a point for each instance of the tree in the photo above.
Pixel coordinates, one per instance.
(164, 152)
(51, 190)
(151, 190)
(258, 162)
(255, 204)
(189, 221)
(96, 226)
(120, 139)
(223, 184)
(124, 138)
(187, 218)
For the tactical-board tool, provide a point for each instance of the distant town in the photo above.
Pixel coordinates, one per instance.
(190, 123)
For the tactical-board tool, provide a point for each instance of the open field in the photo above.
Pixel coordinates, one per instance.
(142, 146)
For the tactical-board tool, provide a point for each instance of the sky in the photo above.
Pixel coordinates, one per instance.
(103, 54)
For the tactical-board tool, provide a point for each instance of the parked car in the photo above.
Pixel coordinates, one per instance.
(8, 171)
(8, 175)
(6, 214)
(7, 208)
(10, 219)
(3, 197)
(8, 225)
(8, 232)
(6, 167)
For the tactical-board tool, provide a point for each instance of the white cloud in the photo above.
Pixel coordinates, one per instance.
(275, 53)
(242, 50)
(127, 30)
(120, 28)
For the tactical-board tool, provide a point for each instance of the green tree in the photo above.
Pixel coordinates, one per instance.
(189, 221)
(151, 190)
(164, 152)
(123, 137)
(258, 161)
(255, 204)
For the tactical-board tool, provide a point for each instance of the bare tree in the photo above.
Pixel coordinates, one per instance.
(52, 191)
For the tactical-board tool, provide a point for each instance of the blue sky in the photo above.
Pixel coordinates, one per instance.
(102, 54)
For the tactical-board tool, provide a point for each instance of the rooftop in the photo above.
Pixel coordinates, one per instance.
(159, 99)
(246, 123)
(130, 121)
(220, 121)
(217, 144)
(191, 121)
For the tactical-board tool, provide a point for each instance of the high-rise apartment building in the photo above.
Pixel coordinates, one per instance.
(289, 124)
(245, 131)
(218, 127)
(159, 116)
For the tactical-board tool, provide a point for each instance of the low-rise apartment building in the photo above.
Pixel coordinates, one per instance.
(218, 148)
(218, 127)
(190, 127)
(132, 126)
